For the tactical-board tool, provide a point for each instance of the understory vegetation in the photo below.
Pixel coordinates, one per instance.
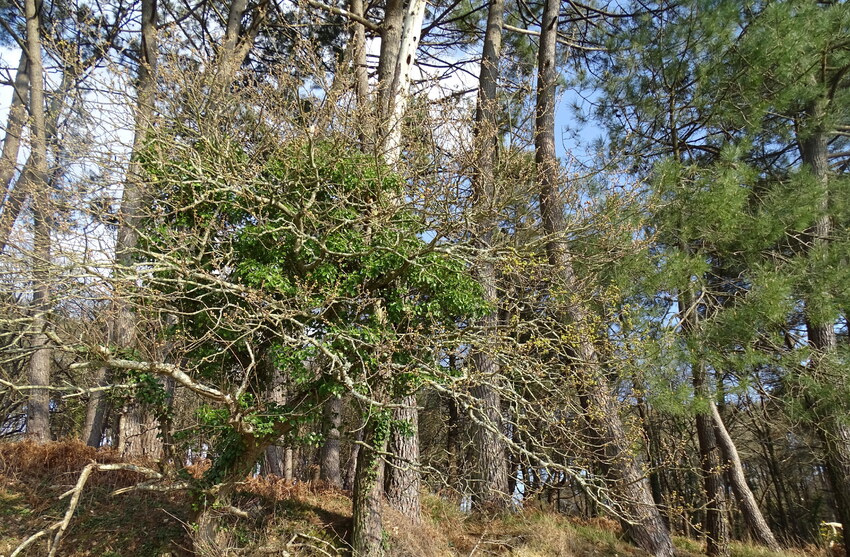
(425, 277)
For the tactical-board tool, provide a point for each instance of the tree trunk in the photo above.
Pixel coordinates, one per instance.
(273, 461)
(38, 403)
(490, 481)
(398, 52)
(746, 500)
(138, 428)
(288, 464)
(329, 454)
(716, 522)
(400, 39)
(644, 525)
(96, 411)
(351, 473)
(833, 432)
(402, 485)
(238, 40)
(367, 536)
(14, 128)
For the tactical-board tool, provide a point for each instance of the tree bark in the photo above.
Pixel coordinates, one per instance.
(329, 455)
(138, 427)
(238, 40)
(716, 521)
(14, 128)
(400, 37)
(273, 461)
(403, 483)
(367, 536)
(716, 527)
(38, 403)
(831, 429)
(644, 526)
(490, 482)
(746, 500)
(351, 473)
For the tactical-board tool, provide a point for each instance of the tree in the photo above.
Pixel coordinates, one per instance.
(38, 405)
(490, 485)
(643, 522)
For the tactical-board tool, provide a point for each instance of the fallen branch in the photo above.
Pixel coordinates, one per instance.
(75, 493)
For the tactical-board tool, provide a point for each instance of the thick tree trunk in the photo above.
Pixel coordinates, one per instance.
(401, 34)
(490, 481)
(403, 483)
(388, 60)
(137, 431)
(716, 522)
(367, 536)
(96, 411)
(38, 402)
(329, 455)
(238, 39)
(629, 486)
(833, 432)
(273, 461)
(746, 500)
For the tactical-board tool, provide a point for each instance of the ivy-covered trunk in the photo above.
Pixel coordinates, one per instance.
(367, 535)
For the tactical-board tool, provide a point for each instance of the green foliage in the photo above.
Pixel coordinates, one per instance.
(301, 255)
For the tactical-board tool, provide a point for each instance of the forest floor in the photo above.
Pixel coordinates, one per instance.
(299, 520)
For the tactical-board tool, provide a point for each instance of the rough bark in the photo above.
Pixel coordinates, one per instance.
(273, 461)
(716, 521)
(746, 500)
(403, 483)
(361, 72)
(832, 430)
(388, 60)
(351, 473)
(96, 412)
(401, 33)
(38, 402)
(138, 427)
(716, 526)
(367, 533)
(288, 464)
(329, 455)
(644, 526)
(490, 481)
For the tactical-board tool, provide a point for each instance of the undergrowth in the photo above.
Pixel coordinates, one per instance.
(284, 518)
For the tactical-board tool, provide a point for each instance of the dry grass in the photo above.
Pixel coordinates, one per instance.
(304, 518)
(32, 476)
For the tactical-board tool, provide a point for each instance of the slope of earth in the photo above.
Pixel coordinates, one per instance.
(283, 519)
